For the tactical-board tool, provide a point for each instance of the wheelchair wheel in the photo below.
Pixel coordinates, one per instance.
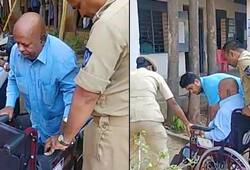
(229, 159)
(246, 155)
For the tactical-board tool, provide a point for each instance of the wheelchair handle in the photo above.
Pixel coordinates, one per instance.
(87, 122)
(202, 128)
(79, 135)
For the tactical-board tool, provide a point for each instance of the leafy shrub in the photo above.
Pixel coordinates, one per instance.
(177, 125)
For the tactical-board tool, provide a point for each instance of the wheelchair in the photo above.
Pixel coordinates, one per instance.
(19, 149)
(233, 153)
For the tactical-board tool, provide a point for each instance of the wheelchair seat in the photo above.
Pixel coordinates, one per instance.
(239, 137)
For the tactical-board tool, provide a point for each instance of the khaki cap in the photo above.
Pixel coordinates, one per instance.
(151, 61)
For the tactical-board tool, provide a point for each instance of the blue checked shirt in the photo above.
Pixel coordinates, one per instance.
(222, 121)
(46, 84)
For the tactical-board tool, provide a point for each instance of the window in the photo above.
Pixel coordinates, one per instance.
(243, 2)
(151, 31)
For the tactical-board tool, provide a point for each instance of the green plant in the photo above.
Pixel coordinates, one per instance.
(177, 125)
(143, 156)
(54, 33)
(143, 148)
(76, 43)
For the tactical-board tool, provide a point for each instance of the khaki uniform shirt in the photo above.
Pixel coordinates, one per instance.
(105, 68)
(144, 85)
(243, 66)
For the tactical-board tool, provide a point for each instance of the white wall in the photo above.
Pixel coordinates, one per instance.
(134, 34)
(161, 61)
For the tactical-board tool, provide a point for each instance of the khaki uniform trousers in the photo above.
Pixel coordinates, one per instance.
(106, 144)
(155, 138)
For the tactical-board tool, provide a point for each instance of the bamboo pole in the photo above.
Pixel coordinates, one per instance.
(59, 14)
(63, 20)
(10, 4)
(8, 19)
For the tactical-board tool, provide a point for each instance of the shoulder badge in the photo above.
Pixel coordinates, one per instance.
(247, 71)
(86, 56)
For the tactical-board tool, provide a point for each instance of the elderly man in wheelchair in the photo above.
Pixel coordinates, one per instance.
(225, 143)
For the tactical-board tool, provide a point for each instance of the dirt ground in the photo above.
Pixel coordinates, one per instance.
(174, 145)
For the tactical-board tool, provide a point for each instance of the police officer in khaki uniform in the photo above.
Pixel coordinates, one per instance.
(102, 89)
(145, 112)
(240, 58)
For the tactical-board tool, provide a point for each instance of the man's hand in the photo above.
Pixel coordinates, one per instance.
(7, 111)
(6, 67)
(2, 62)
(53, 144)
(202, 133)
(188, 128)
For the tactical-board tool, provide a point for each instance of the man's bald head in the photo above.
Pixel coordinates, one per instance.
(228, 87)
(30, 24)
(29, 32)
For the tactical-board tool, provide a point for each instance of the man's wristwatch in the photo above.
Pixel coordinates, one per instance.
(61, 140)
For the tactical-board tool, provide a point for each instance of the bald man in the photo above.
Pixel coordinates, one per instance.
(42, 71)
(230, 99)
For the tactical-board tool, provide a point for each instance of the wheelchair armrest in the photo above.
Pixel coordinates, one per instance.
(202, 128)
(4, 118)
